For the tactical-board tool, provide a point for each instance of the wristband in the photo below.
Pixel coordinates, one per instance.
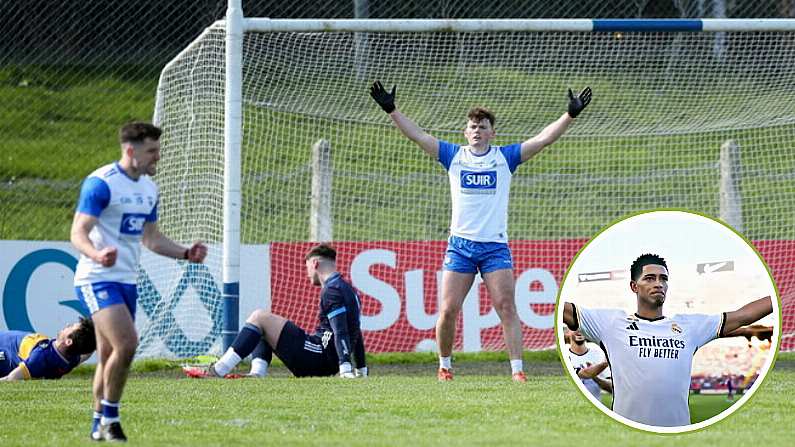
(185, 255)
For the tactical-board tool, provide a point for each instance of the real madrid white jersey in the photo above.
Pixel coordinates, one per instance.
(650, 360)
(479, 188)
(593, 356)
(122, 206)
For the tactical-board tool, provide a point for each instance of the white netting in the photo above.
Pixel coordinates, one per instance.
(663, 105)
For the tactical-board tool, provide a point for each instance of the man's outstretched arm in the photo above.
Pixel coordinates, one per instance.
(759, 331)
(407, 127)
(552, 132)
(747, 314)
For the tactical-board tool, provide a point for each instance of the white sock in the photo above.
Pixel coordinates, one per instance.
(516, 366)
(259, 368)
(445, 362)
(227, 362)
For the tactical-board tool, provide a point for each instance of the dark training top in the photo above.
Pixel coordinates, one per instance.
(340, 314)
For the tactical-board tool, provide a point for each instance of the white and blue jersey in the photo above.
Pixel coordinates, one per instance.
(122, 206)
(479, 188)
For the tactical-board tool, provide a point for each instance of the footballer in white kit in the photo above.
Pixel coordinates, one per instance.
(479, 189)
(650, 360)
(480, 180)
(121, 206)
(116, 214)
(650, 354)
(584, 356)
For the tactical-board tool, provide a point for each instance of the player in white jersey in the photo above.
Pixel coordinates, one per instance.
(480, 179)
(116, 212)
(590, 364)
(650, 354)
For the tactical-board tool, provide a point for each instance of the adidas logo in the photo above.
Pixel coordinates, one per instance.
(633, 326)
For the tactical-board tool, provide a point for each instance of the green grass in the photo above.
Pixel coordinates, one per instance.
(481, 407)
(702, 407)
(62, 126)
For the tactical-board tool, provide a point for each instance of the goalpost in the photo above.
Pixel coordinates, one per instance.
(693, 114)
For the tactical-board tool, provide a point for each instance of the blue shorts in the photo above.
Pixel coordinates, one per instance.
(100, 295)
(465, 256)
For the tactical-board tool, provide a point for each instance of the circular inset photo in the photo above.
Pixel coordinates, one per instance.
(668, 321)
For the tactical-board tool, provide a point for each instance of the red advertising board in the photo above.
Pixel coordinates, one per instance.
(398, 285)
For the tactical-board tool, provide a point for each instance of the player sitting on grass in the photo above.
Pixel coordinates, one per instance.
(480, 180)
(335, 345)
(651, 355)
(27, 355)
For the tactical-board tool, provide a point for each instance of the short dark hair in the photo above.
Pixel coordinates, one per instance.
(137, 131)
(324, 251)
(645, 259)
(477, 114)
(83, 339)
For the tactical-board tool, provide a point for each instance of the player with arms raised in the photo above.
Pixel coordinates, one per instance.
(116, 212)
(480, 179)
(651, 355)
(334, 347)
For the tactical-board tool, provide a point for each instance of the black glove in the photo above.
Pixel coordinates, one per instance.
(577, 104)
(384, 99)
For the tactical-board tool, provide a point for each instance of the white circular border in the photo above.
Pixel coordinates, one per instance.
(774, 346)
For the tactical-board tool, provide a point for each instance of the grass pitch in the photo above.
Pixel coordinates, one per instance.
(399, 405)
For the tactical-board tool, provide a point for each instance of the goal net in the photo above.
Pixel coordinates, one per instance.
(664, 104)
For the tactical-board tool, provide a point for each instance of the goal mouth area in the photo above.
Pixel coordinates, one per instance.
(666, 100)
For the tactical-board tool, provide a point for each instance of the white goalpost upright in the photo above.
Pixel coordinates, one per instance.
(233, 135)
(243, 105)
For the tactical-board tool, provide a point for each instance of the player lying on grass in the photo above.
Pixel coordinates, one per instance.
(28, 355)
(480, 181)
(334, 347)
(651, 355)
